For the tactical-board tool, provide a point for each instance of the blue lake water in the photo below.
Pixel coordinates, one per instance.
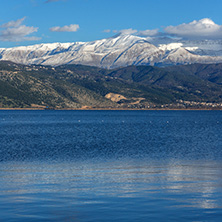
(110, 166)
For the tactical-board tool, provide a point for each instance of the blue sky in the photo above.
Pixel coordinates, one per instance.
(26, 22)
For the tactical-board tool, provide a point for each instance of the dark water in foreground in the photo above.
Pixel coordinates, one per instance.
(110, 166)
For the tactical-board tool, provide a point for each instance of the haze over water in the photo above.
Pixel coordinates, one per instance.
(110, 166)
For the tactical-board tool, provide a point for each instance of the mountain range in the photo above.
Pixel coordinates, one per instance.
(118, 51)
(125, 71)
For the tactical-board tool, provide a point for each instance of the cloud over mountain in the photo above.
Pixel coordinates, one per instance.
(107, 30)
(197, 29)
(148, 32)
(66, 28)
(48, 1)
(204, 28)
(126, 31)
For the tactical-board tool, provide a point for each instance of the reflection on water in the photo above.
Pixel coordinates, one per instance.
(110, 166)
(125, 190)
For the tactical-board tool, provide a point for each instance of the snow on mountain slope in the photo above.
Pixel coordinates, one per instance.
(120, 50)
(183, 56)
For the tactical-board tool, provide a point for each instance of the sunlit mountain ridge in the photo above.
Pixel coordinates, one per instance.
(118, 51)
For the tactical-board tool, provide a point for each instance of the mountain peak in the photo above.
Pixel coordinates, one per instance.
(120, 50)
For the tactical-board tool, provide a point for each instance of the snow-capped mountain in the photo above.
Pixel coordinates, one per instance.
(121, 50)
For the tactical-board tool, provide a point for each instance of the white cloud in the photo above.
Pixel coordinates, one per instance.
(145, 33)
(107, 30)
(148, 32)
(125, 31)
(13, 23)
(48, 1)
(204, 28)
(17, 34)
(197, 29)
(66, 28)
(131, 31)
(14, 31)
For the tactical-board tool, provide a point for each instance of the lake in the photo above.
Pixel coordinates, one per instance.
(110, 166)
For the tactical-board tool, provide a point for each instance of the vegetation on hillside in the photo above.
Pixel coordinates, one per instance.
(77, 86)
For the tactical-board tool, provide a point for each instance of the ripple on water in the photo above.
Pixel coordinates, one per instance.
(110, 166)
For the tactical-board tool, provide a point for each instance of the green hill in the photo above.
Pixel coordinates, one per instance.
(77, 86)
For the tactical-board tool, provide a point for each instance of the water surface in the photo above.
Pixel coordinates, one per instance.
(110, 166)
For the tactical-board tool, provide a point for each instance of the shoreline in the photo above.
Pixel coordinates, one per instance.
(113, 109)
